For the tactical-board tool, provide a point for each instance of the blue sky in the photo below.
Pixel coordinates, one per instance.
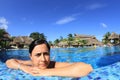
(57, 18)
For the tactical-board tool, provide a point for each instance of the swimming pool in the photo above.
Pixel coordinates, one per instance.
(105, 61)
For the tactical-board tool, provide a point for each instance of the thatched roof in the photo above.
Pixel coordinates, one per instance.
(63, 43)
(18, 40)
(90, 41)
(27, 40)
(114, 36)
(5, 37)
(22, 40)
(84, 36)
(93, 42)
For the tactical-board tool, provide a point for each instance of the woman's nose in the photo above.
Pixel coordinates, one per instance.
(42, 57)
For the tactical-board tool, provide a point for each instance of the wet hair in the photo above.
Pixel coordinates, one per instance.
(38, 42)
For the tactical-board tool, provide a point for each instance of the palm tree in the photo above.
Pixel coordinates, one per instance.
(4, 37)
(42, 36)
(2, 31)
(50, 43)
(77, 41)
(106, 39)
(61, 38)
(70, 39)
(56, 42)
(84, 42)
(37, 35)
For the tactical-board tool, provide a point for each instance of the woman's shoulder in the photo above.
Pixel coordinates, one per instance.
(52, 64)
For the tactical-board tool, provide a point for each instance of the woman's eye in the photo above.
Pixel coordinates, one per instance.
(38, 55)
(46, 53)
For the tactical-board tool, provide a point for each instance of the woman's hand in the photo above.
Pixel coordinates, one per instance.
(35, 71)
(27, 69)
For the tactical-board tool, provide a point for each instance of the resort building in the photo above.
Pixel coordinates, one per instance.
(21, 42)
(90, 40)
(114, 39)
(81, 40)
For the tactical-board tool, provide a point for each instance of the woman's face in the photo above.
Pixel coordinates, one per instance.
(40, 56)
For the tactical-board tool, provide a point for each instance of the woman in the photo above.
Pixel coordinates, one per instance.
(40, 64)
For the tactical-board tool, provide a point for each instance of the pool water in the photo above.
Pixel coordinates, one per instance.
(97, 57)
(105, 61)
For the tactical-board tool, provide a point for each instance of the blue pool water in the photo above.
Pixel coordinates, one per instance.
(105, 61)
(97, 57)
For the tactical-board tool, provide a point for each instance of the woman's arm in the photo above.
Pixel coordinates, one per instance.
(12, 63)
(71, 70)
(61, 69)
(20, 64)
(15, 63)
(27, 62)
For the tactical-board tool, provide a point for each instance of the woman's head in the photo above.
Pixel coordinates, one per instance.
(40, 53)
(38, 42)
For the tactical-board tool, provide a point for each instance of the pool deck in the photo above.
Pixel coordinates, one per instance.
(111, 72)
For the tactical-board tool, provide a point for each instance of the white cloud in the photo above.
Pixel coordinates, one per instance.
(3, 23)
(94, 6)
(65, 20)
(103, 25)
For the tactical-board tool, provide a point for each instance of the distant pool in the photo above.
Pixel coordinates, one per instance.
(98, 57)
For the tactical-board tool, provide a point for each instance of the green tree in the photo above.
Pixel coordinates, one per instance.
(106, 39)
(70, 39)
(2, 32)
(4, 38)
(42, 36)
(78, 41)
(37, 35)
(84, 42)
(56, 42)
(50, 43)
(61, 38)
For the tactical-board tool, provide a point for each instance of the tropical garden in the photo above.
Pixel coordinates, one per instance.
(70, 40)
